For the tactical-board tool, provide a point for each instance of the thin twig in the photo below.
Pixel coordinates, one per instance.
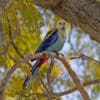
(30, 94)
(83, 56)
(90, 58)
(49, 73)
(19, 53)
(36, 94)
(45, 87)
(13, 43)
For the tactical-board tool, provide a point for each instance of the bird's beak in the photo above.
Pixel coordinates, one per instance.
(63, 28)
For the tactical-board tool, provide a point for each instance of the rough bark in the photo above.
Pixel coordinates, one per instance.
(3, 4)
(82, 13)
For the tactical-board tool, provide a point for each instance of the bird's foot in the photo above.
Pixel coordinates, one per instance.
(59, 53)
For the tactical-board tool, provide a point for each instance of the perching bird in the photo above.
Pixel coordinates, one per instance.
(53, 42)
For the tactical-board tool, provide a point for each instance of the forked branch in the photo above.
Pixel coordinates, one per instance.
(77, 82)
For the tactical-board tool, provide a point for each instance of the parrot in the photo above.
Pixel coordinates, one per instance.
(52, 42)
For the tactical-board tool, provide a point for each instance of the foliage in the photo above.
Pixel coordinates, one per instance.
(22, 23)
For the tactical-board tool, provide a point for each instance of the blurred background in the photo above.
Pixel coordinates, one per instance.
(24, 26)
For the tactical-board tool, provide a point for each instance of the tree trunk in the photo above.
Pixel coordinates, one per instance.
(82, 13)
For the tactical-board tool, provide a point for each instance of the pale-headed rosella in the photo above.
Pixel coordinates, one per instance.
(53, 42)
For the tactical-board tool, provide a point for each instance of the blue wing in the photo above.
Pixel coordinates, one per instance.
(49, 39)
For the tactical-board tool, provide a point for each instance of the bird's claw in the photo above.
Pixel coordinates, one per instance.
(59, 53)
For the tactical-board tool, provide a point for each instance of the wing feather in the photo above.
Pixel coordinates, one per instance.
(49, 39)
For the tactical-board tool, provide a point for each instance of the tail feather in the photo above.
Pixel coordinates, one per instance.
(33, 72)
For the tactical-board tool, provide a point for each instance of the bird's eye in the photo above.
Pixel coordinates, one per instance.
(63, 23)
(59, 23)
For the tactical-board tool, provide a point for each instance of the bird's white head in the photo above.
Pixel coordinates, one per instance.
(61, 26)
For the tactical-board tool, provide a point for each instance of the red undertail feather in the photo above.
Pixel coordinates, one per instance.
(34, 70)
(42, 61)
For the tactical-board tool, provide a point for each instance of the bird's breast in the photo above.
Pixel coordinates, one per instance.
(57, 46)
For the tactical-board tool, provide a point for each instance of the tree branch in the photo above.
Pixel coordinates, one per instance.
(47, 54)
(49, 73)
(75, 78)
(40, 55)
(97, 81)
(3, 4)
(28, 95)
(1, 39)
(82, 13)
